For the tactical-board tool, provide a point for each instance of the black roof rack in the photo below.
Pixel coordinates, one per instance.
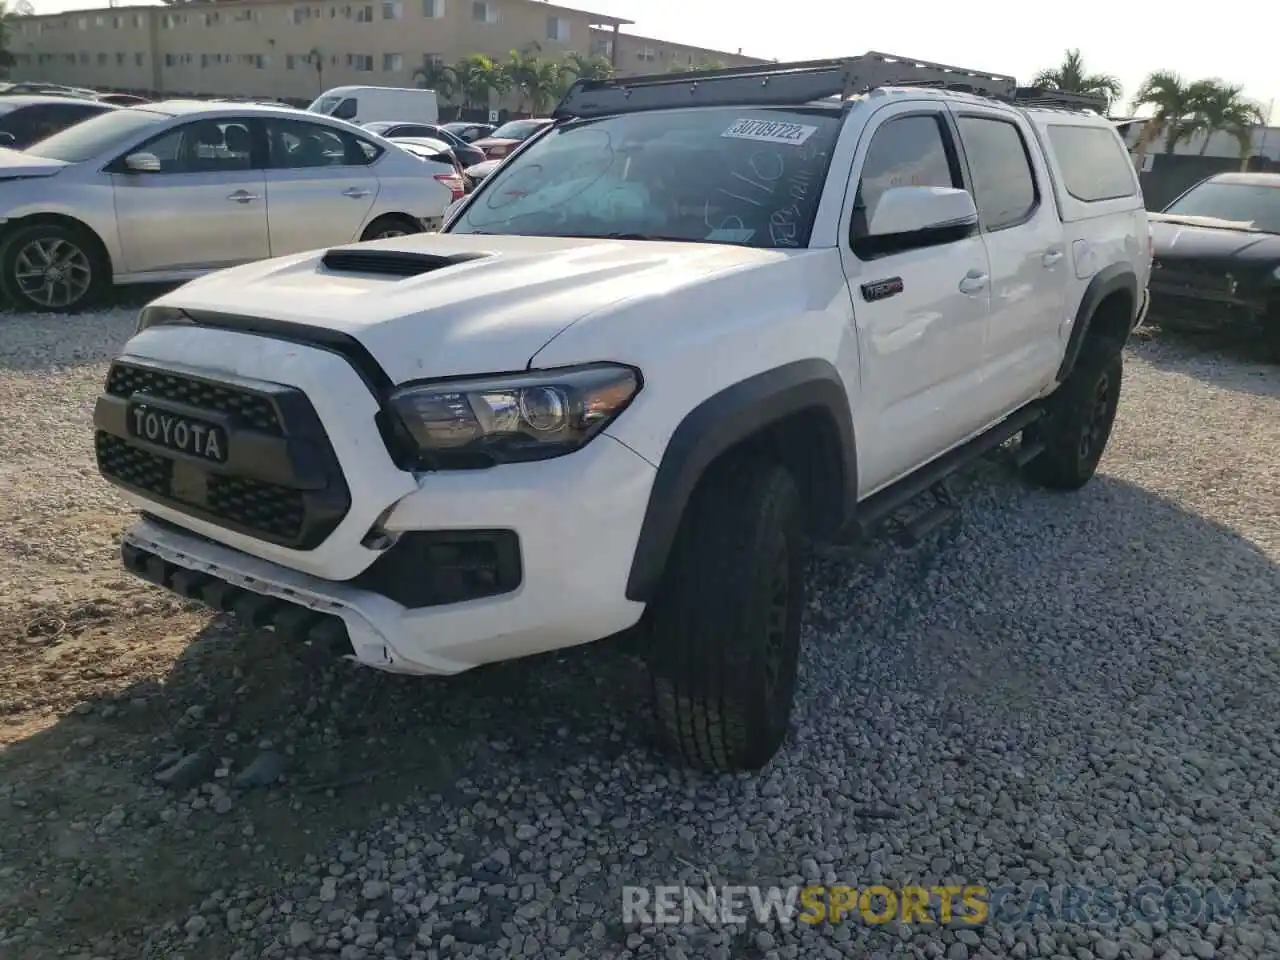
(792, 84)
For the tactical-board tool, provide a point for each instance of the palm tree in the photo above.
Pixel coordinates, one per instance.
(584, 66)
(316, 58)
(476, 77)
(1171, 99)
(435, 74)
(1070, 76)
(547, 83)
(1218, 106)
(521, 72)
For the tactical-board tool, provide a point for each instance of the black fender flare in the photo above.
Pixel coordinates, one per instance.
(719, 423)
(1109, 280)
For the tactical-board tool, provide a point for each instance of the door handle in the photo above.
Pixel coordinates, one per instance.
(973, 282)
(243, 196)
(1052, 258)
(355, 193)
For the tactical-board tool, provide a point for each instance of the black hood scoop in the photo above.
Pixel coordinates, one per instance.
(392, 263)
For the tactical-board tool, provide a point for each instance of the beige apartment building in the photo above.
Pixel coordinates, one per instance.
(291, 49)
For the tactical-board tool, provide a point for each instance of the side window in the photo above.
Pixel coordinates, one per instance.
(297, 144)
(346, 110)
(1004, 188)
(204, 146)
(906, 151)
(1094, 163)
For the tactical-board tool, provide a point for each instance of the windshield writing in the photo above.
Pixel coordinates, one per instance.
(1253, 204)
(749, 177)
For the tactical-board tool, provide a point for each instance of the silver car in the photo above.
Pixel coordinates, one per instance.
(168, 191)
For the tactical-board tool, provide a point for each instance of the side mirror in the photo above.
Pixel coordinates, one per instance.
(922, 210)
(142, 163)
(7, 139)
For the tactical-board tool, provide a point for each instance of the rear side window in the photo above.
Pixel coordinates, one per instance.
(1093, 162)
(1004, 188)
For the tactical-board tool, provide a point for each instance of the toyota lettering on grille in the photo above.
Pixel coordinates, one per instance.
(178, 433)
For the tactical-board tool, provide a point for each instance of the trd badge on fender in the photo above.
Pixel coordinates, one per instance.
(181, 434)
(882, 289)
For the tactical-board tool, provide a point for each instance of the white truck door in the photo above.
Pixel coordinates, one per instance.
(920, 313)
(1026, 243)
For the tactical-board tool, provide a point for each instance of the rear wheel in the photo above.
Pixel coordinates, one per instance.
(725, 626)
(391, 225)
(1078, 421)
(52, 268)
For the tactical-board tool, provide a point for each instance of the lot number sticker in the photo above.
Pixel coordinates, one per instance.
(770, 131)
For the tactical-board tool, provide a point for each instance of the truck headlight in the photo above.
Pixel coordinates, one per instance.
(513, 418)
(154, 316)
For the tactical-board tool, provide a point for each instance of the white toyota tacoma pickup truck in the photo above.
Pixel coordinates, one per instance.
(697, 323)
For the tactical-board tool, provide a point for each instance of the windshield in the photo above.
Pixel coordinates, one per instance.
(750, 177)
(97, 135)
(1250, 203)
(518, 130)
(324, 104)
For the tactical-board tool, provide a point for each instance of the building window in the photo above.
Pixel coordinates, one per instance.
(244, 14)
(100, 21)
(647, 54)
(392, 10)
(392, 62)
(360, 62)
(557, 29)
(137, 21)
(433, 9)
(119, 59)
(139, 59)
(364, 14)
(169, 59)
(602, 48)
(82, 23)
(102, 59)
(482, 12)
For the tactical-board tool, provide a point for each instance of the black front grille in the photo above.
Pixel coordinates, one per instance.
(131, 466)
(280, 480)
(260, 506)
(248, 409)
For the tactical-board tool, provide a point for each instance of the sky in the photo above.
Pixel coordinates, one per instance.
(1128, 40)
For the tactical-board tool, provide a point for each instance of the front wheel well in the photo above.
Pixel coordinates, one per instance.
(61, 220)
(807, 444)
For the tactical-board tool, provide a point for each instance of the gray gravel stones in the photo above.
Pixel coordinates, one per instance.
(1062, 690)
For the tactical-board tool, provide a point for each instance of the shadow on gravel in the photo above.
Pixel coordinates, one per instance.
(1222, 361)
(41, 342)
(96, 852)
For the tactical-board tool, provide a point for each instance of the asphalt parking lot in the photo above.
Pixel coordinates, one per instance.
(1061, 690)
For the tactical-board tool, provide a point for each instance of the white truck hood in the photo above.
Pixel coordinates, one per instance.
(15, 164)
(487, 314)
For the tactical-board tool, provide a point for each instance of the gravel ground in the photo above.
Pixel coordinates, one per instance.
(1060, 690)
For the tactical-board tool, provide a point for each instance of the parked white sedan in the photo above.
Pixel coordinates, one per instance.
(168, 191)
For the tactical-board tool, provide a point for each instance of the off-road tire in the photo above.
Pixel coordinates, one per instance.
(725, 626)
(90, 253)
(1078, 419)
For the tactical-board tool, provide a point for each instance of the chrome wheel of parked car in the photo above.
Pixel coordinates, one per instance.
(49, 267)
(53, 272)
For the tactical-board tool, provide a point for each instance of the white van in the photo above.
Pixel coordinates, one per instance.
(363, 104)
